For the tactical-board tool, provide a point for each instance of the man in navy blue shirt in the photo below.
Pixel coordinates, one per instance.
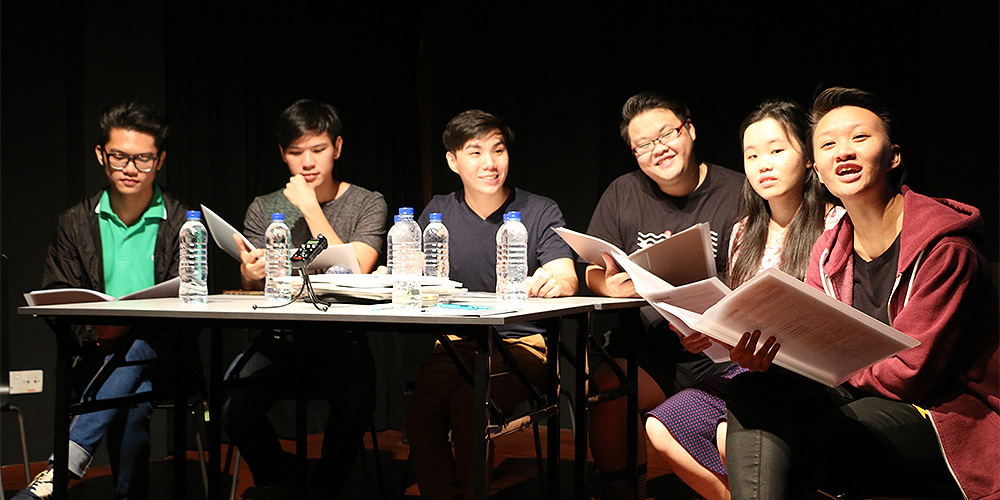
(476, 144)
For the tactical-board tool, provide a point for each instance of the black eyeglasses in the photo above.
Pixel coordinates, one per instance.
(118, 161)
(664, 138)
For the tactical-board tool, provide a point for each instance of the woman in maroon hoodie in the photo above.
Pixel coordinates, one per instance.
(922, 422)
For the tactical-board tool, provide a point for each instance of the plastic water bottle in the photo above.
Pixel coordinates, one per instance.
(194, 260)
(407, 261)
(513, 247)
(278, 263)
(501, 258)
(436, 247)
(388, 244)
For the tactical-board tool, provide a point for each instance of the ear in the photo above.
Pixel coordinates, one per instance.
(100, 157)
(812, 165)
(691, 130)
(159, 162)
(897, 158)
(281, 152)
(337, 146)
(452, 161)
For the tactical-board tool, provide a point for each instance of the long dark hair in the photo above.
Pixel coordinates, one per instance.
(806, 225)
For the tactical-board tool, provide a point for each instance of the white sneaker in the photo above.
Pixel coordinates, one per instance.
(39, 488)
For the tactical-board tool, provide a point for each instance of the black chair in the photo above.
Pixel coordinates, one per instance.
(5, 405)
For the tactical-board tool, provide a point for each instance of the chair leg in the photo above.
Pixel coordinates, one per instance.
(24, 442)
(378, 463)
(199, 430)
(236, 474)
(540, 460)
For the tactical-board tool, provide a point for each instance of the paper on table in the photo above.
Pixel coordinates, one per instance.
(222, 233)
(821, 338)
(53, 296)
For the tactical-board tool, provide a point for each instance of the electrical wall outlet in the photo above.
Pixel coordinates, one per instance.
(25, 381)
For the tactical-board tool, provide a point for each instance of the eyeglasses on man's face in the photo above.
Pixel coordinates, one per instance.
(118, 161)
(664, 138)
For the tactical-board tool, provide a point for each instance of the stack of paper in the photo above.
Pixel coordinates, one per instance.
(369, 287)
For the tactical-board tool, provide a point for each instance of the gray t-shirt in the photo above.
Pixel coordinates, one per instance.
(357, 215)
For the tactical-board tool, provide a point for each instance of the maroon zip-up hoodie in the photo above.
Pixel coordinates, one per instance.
(943, 297)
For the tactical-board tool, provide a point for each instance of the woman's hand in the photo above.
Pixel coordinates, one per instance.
(743, 352)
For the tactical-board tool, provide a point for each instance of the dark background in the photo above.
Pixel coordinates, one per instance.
(398, 72)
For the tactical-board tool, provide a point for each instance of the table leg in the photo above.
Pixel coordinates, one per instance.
(60, 458)
(632, 423)
(585, 330)
(480, 447)
(215, 398)
(554, 386)
(180, 444)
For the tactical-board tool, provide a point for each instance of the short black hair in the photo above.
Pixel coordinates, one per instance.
(307, 117)
(646, 101)
(473, 124)
(133, 115)
(838, 97)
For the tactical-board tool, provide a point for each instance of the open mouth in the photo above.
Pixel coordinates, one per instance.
(848, 169)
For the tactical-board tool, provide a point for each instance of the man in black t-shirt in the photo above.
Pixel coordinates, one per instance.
(670, 192)
(476, 144)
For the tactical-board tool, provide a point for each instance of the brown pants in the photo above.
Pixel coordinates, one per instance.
(442, 401)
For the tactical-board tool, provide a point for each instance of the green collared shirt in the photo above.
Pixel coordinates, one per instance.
(128, 250)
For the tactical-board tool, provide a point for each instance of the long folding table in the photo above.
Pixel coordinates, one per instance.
(235, 311)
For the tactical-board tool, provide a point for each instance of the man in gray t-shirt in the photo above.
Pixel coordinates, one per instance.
(335, 366)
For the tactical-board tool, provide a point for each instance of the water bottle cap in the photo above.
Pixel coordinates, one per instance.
(515, 215)
(435, 217)
(395, 218)
(405, 210)
(506, 217)
(278, 216)
(194, 215)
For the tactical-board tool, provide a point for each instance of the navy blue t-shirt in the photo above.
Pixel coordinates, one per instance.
(472, 250)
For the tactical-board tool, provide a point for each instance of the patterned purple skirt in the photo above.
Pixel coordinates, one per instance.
(693, 415)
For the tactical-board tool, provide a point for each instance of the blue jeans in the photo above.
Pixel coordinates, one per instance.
(127, 429)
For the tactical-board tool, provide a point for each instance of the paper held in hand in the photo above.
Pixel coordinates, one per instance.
(685, 257)
(821, 338)
(56, 296)
(222, 232)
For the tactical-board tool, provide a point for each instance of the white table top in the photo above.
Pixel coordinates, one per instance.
(240, 307)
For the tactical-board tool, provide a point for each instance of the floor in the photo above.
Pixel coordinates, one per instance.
(515, 475)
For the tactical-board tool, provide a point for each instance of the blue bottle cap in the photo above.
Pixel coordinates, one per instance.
(395, 219)
(194, 214)
(506, 217)
(277, 216)
(405, 210)
(515, 215)
(435, 217)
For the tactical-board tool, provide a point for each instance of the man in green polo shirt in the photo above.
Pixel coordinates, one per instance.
(118, 241)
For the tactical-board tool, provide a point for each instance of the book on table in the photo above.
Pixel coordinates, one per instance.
(821, 338)
(55, 296)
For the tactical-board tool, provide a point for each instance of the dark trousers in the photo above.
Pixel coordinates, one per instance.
(788, 435)
(335, 366)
